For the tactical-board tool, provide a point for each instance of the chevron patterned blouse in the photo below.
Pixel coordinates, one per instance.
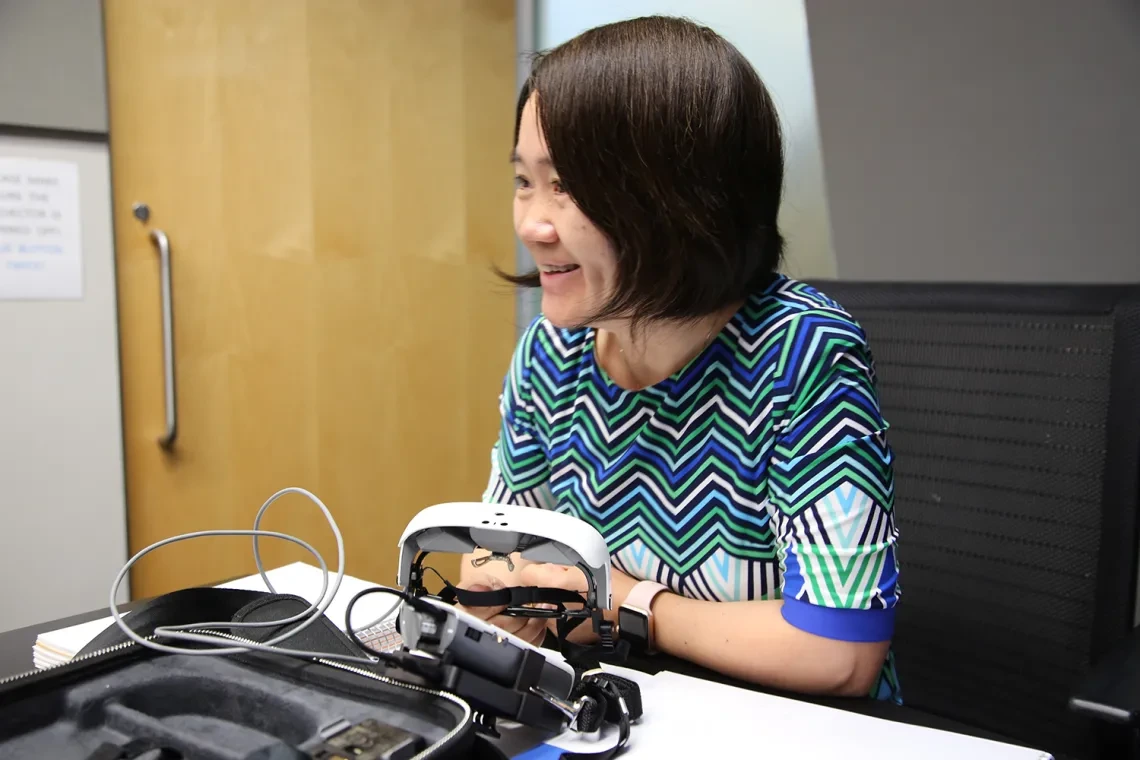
(760, 470)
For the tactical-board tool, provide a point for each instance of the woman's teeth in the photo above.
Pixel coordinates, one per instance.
(560, 269)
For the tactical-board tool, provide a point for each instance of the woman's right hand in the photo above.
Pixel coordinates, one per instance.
(530, 630)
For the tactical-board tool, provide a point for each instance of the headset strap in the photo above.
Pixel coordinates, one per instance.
(608, 647)
(618, 701)
(515, 599)
(516, 596)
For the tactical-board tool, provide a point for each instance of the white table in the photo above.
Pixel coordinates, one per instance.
(689, 717)
(684, 716)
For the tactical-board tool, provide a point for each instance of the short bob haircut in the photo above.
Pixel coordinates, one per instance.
(665, 137)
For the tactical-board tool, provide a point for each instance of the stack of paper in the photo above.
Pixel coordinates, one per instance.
(58, 647)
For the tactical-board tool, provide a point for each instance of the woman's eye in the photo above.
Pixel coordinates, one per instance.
(521, 182)
(557, 185)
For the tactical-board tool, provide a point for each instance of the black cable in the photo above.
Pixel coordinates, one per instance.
(403, 660)
(385, 656)
(443, 580)
(416, 581)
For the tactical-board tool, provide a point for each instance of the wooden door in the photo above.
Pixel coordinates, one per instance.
(333, 180)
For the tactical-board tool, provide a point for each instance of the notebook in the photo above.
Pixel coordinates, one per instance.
(58, 647)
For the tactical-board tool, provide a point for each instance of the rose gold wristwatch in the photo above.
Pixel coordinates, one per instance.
(635, 617)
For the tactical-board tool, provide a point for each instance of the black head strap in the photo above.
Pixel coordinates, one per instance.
(515, 601)
(516, 596)
(613, 699)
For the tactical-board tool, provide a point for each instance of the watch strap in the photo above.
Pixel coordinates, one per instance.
(639, 601)
(642, 594)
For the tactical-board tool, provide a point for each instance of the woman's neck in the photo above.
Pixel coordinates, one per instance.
(656, 351)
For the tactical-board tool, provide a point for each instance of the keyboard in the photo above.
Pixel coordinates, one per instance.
(382, 637)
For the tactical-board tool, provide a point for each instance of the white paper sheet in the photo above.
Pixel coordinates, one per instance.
(40, 256)
(690, 717)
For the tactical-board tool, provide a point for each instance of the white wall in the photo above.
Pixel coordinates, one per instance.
(62, 502)
(773, 36)
(51, 65)
(981, 141)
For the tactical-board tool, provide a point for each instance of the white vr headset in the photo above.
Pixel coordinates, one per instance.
(500, 673)
(539, 535)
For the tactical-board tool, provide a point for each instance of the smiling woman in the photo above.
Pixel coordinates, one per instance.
(716, 421)
(676, 183)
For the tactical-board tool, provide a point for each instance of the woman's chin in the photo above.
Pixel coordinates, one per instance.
(563, 315)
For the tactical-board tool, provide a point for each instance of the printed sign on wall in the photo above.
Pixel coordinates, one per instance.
(40, 257)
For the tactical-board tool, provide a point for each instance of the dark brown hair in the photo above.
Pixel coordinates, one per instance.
(664, 136)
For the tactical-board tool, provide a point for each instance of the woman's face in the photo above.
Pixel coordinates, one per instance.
(575, 259)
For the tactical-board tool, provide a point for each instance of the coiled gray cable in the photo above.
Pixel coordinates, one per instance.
(226, 646)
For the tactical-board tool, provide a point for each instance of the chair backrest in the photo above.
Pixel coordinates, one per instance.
(1015, 422)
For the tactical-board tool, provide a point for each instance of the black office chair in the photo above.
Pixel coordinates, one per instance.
(1015, 420)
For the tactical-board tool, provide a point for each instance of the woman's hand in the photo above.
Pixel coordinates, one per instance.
(530, 630)
(546, 575)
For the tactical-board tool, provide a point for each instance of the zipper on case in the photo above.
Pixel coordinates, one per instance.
(425, 755)
(449, 737)
(73, 661)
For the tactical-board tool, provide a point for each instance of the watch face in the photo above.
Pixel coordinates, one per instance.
(634, 626)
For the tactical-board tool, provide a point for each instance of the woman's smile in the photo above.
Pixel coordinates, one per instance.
(561, 282)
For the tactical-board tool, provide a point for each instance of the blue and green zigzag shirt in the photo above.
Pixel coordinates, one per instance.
(761, 470)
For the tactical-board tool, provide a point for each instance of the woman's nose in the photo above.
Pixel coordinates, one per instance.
(537, 229)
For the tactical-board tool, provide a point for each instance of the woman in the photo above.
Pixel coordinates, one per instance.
(717, 422)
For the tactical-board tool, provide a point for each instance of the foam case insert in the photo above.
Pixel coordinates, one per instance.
(250, 706)
(214, 708)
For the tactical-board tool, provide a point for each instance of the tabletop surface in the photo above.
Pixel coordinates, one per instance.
(16, 657)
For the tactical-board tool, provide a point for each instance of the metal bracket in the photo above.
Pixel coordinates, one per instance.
(494, 557)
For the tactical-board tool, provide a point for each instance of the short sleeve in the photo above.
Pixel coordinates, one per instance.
(520, 469)
(832, 484)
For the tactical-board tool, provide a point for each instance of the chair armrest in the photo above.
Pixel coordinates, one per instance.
(1111, 690)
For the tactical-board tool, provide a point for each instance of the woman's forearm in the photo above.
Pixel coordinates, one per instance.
(751, 641)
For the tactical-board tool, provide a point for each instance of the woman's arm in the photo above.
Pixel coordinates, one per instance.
(831, 501)
(753, 642)
(750, 641)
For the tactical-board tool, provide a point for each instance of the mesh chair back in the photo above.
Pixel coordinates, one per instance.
(1014, 420)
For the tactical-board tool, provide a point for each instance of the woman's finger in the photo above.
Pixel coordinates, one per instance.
(534, 631)
(530, 630)
(483, 613)
(509, 623)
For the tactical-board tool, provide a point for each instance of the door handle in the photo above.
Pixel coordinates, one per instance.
(162, 244)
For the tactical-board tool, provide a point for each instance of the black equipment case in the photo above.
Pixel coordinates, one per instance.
(119, 699)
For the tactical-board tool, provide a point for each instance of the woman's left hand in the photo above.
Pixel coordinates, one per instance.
(548, 575)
